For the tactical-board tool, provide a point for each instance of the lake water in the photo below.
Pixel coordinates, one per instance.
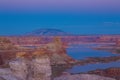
(83, 51)
(89, 67)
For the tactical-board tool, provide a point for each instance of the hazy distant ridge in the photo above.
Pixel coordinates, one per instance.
(47, 32)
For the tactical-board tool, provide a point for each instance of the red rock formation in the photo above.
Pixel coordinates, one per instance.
(118, 43)
(1, 60)
(111, 72)
(37, 40)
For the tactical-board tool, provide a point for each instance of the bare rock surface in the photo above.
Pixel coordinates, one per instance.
(110, 72)
(2, 78)
(40, 69)
(82, 77)
(5, 71)
(19, 68)
(23, 69)
(10, 77)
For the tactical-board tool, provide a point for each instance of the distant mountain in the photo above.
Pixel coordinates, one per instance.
(47, 32)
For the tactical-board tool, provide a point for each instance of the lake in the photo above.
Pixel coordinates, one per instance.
(85, 50)
(81, 52)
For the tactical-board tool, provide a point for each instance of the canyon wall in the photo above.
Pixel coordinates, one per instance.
(23, 69)
(37, 40)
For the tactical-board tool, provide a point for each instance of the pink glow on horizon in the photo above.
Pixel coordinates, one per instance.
(80, 5)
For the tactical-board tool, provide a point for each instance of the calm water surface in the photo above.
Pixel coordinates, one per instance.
(84, 51)
(89, 67)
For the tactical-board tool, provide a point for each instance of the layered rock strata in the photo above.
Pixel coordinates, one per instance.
(23, 69)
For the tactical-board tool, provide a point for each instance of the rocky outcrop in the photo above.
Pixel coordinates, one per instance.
(1, 78)
(118, 43)
(70, 39)
(19, 68)
(110, 72)
(40, 69)
(6, 74)
(6, 44)
(1, 60)
(98, 59)
(57, 52)
(82, 77)
(37, 68)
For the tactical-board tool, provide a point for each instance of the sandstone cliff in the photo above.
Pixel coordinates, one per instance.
(37, 68)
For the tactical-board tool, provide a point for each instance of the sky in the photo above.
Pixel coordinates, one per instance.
(73, 16)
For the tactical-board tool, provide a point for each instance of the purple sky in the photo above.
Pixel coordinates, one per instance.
(75, 16)
(61, 5)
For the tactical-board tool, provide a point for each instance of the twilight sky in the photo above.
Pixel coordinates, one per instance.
(74, 16)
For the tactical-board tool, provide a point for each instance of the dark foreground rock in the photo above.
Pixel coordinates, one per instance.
(98, 60)
(82, 77)
(110, 72)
